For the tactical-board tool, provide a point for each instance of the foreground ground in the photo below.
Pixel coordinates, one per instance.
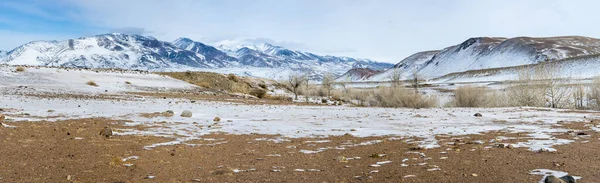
(73, 151)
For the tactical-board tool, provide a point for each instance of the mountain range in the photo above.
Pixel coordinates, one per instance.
(491, 54)
(127, 51)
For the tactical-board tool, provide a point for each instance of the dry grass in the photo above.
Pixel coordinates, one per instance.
(92, 83)
(260, 93)
(215, 81)
(402, 97)
(20, 69)
(469, 96)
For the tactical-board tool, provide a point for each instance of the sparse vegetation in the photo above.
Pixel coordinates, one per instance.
(469, 96)
(92, 83)
(260, 93)
(402, 97)
(20, 69)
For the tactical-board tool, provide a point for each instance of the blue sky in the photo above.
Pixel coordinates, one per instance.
(384, 30)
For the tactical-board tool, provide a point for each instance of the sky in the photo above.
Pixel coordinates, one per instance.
(382, 30)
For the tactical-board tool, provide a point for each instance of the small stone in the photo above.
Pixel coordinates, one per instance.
(581, 133)
(169, 113)
(341, 159)
(477, 115)
(229, 120)
(501, 145)
(186, 114)
(474, 175)
(106, 132)
(217, 119)
(510, 146)
(51, 110)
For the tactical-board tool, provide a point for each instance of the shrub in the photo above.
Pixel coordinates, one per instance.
(127, 82)
(262, 85)
(401, 97)
(92, 83)
(258, 93)
(279, 97)
(232, 77)
(20, 69)
(468, 96)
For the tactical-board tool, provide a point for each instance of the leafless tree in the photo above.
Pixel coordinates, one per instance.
(415, 81)
(526, 91)
(296, 80)
(327, 83)
(555, 88)
(396, 78)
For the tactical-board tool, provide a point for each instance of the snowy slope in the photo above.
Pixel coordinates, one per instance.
(581, 67)
(488, 53)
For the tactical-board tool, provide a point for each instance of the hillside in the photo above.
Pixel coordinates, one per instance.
(489, 53)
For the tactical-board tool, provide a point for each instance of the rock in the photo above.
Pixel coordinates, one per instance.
(581, 133)
(510, 146)
(477, 115)
(2, 117)
(501, 145)
(341, 159)
(186, 114)
(553, 179)
(474, 175)
(106, 132)
(51, 110)
(217, 119)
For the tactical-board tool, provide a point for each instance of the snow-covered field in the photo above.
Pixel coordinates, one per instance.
(289, 121)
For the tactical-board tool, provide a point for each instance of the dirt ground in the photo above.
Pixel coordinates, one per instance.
(73, 151)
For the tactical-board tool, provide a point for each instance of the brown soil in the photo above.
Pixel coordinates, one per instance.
(73, 151)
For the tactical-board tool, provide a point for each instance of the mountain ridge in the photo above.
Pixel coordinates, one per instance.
(136, 52)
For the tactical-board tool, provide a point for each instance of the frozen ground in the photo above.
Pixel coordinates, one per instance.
(287, 121)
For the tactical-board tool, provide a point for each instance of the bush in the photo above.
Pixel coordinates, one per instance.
(468, 96)
(401, 97)
(233, 77)
(258, 93)
(279, 97)
(20, 69)
(92, 83)
(262, 85)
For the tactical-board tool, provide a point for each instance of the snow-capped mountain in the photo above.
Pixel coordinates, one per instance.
(2, 53)
(107, 51)
(147, 53)
(267, 60)
(488, 53)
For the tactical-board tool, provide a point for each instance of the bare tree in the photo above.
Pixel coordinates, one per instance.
(395, 78)
(327, 83)
(594, 94)
(296, 80)
(579, 96)
(525, 91)
(555, 88)
(415, 81)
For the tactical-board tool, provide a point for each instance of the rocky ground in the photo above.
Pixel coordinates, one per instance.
(74, 151)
